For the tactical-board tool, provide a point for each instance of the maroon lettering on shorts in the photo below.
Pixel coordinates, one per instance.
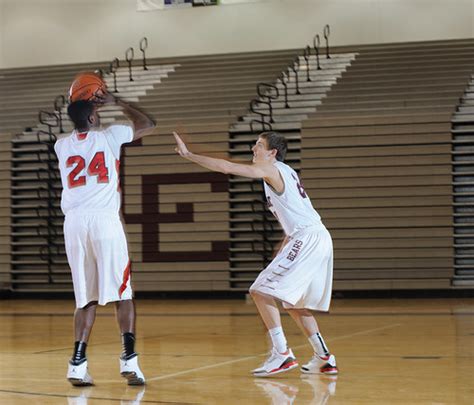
(269, 202)
(295, 250)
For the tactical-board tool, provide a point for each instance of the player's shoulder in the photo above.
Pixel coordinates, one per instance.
(62, 137)
(283, 166)
(117, 128)
(119, 132)
(61, 140)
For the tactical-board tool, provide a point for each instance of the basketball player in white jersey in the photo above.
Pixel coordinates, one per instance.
(300, 275)
(95, 241)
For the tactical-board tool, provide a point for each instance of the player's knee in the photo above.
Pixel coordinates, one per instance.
(124, 304)
(254, 294)
(90, 304)
(298, 311)
(291, 311)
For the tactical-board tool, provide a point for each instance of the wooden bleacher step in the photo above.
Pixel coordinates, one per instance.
(312, 92)
(463, 189)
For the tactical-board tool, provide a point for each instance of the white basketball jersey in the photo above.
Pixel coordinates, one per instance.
(89, 166)
(292, 207)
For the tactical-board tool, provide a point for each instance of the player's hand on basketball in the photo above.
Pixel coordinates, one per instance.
(103, 98)
(181, 147)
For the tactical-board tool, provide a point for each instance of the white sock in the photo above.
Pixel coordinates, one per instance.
(278, 339)
(319, 345)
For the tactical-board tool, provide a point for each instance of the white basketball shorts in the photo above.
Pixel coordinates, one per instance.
(97, 253)
(301, 274)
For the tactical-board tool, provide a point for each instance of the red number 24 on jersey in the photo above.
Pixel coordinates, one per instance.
(96, 167)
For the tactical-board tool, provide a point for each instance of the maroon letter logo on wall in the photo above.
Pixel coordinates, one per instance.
(151, 218)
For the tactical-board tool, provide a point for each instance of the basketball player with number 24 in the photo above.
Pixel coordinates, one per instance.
(95, 241)
(300, 275)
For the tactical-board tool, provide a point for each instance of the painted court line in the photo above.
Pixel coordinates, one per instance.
(164, 377)
(77, 399)
(364, 332)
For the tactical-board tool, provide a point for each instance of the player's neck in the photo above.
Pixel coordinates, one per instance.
(81, 134)
(83, 130)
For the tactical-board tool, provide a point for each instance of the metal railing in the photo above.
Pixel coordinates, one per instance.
(59, 103)
(295, 68)
(306, 55)
(129, 55)
(254, 104)
(327, 32)
(113, 66)
(143, 46)
(264, 91)
(266, 126)
(283, 79)
(316, 44)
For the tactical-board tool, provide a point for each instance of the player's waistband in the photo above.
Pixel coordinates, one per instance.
(88, 212)
(316, 227)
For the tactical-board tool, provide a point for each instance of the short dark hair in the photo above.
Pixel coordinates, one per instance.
(276, 141)
(79, 112)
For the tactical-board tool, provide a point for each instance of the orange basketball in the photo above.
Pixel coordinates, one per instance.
(85, 86)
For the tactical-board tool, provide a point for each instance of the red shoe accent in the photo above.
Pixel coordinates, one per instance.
(293, 363)
(285, 366)
(328, 369)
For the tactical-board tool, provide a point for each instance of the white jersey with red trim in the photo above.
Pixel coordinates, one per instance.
(89, 165)
(292, 207)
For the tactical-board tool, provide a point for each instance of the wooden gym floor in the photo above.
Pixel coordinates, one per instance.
(390, 351)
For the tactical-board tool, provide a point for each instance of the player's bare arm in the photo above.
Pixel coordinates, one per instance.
(266, 171)
(143, 125)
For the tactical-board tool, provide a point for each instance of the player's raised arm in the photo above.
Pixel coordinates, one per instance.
(254, 171)
(143, 125)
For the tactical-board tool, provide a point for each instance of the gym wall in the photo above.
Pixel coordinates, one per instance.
(44, 32)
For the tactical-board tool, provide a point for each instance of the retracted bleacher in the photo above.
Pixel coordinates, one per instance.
(370, 133)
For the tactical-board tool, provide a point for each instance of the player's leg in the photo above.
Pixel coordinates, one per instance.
(83, 321)
(270, 314)
(271, 285)
(305, 320)
(318, 268)
(110, 246)
(322, 361)
(85, 291)
(281, 358)
(129, 367)
(308, 325)
(125, 311)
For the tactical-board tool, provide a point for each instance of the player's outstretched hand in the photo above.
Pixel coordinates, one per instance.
(181, 147)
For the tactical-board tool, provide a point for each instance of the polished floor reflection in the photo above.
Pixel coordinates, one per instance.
(201, 351)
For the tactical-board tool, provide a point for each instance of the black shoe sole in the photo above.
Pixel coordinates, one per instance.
(77, 382)
(132, 378)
